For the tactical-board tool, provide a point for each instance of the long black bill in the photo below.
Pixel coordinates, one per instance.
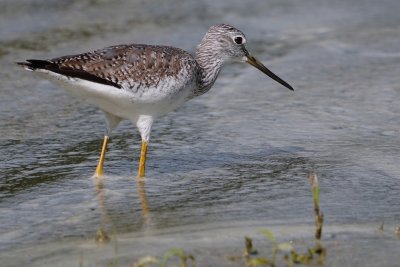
(255, 63)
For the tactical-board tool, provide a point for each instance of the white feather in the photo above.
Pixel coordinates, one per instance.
(141, 107)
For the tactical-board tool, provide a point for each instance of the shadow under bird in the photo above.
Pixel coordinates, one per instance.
(142, 82)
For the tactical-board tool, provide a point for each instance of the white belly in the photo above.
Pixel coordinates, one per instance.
(125, 103)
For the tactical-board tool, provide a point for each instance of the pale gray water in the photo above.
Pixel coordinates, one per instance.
(223, 165)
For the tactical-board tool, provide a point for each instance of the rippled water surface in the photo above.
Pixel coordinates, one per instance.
(224, 164)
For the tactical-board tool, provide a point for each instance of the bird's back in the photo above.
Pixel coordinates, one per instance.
(126, 80)
(134, 67)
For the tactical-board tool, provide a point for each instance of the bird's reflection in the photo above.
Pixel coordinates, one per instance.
(101, 234)
(143, 200)
(106, 219)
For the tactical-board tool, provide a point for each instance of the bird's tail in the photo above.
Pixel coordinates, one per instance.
(34, 64)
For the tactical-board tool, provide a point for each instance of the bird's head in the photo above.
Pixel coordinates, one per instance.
(229, 43)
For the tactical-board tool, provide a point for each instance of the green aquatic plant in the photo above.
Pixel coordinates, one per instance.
(249, 250)
(145, 261)
(319, 216)
(179, 253)
(313, 255)
(265, 260)
(172, 255)
(102, 236)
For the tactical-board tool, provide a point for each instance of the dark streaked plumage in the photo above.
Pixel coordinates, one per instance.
(142, 82)
(122, 66)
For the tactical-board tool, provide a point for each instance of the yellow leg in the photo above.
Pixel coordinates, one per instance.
(142, 161)
(99, 169)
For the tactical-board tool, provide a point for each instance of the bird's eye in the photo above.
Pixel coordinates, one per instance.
(238, 40)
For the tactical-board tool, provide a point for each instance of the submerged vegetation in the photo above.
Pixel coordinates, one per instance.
(281, 253)
(319, 216)
(172, 258)
(291, 256)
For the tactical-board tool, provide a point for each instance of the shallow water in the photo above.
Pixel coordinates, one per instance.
(224, 164)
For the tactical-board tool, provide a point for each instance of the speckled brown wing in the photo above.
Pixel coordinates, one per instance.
(124, 66)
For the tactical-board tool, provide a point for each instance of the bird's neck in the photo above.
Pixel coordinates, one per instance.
(210, 65)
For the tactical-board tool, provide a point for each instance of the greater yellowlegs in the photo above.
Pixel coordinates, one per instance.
(142, 82)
